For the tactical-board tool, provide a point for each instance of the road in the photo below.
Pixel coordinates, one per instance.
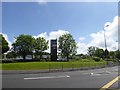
(96, 78)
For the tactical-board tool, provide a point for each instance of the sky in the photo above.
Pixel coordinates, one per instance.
(83, 20)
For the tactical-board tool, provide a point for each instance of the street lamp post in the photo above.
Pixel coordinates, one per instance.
(105, 40)
(106, 51)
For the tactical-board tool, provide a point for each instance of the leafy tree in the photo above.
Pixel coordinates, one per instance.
(112, 54)
(97, 59)
(11, 55)
(3, 44)
(95, 51)
(67, 45)
(81, 56)
(106, 53)
(40, 46)
(117, 54)
(99, 52)
(91, 50)
(23, 45)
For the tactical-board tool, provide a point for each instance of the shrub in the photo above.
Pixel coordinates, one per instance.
(87, 60)
(97, 59)
(112, 60)
(9, 61)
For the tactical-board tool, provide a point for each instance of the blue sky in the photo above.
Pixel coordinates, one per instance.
(79, 18)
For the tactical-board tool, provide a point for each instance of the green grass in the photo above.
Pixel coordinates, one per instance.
(47, 65)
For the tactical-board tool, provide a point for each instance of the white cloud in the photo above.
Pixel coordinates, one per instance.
(42, 35)
(57, 34)
(82, 48)
(51, 35)
(97, 39)
(111, 33)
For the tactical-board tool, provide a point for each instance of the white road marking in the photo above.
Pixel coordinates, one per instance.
(94, 74)
(32, 74)
(33, 78)
(100, 73)
(108, 72)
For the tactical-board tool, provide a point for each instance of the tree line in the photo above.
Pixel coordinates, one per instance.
(104, 54)
(27, 45)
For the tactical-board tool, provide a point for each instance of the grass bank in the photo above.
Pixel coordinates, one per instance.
(49, 65)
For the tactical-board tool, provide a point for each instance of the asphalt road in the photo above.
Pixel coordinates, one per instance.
(95, 78)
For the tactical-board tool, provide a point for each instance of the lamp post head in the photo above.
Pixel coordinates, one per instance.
(106, 25)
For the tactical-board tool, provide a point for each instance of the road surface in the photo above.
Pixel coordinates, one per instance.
(96, 78)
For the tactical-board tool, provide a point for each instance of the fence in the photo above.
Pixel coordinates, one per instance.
(84, 66)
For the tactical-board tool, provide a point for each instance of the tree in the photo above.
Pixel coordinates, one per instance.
(80, 56)
(95, 51)
(91, 50)
(112, 54)
(67, 45)
(99, 52)
(11, 55)
(117, 54)
(3, 44)
(106, 53)
(40, 45)
(23, 45)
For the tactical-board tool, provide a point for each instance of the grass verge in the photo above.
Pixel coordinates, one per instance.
(49, 65)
